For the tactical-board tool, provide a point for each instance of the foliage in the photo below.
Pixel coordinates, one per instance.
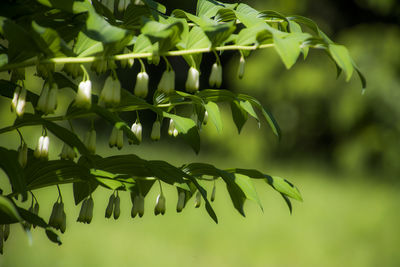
(108, 36)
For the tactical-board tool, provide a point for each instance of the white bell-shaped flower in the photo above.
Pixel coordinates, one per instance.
(167, 82)
(43, 98)
(242, 64)
(156, 131)
(106, 95)
(142, 84)
(23, 155)
(137, 130)
(160, 204)
(192, 82)
(83, 97)
(181, 201)
(216, 75)
(42, 147)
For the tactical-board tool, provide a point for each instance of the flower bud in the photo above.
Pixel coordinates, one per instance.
(63, 222)
(216, 75)
(83, 97)
(142, 85)
(67, 152)
(127, 62)
(192, 82)
(197, 201)
(82, 212)
(6, 232)
(72, 69)
(213, 193)
(160, 205)
(135, 206)
(205, 118)
(242, 63)
(181, 201)
(120, 139)
(140, 204)
(171, 127)
(60, 216)
(52, 219)
(89, 210)
(111, 93)
(99, 66)
(51, 104)
(155, 131)
(117, 209)
(23, 155)
(90, 141)
(137, 130)
(42, 102)
(116, 93)
(113, 137)
(19, 100)
(110, 206)
(42, 148)
(167, 82)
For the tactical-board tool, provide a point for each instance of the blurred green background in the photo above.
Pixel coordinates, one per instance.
(341, 148)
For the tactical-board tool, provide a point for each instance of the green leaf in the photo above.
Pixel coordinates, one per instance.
(219, 33)
(248, 15)
(155, 5)
(8, 211)
(48, 40)
(285, 187)
(85, 46)
(52, 172)
(100, 30)
(239, 115)
(288, 47)
(208, 8)
(14, 171)
(133, 15)
(247, 187)
(246, 105)
(214, 114)
(32, 218)
(70, 6)
(341, 56)
(108, 179)
(186, 127)
(167, 35)
(83, 190)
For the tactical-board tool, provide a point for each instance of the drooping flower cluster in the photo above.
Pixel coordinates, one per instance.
(192, 81)
(42, 148)
(116, 138)
(47, 102)
(58, 218)
(19, 100)
(167, 82)
(90, 141)
(83, 97)
(142, 84)
(216, 75)
(137, 205)
(86, 212)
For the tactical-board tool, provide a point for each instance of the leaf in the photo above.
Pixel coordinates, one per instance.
(285, 187)
(218, 34)
(167, 35)
(186, 127)
(14, 171)
(342, 57)
(8, 211)
(32, 218)
(100, 30)
(288, 202)
(107, 179)
(239, 115)
(70, 6)
(246, 105)
(85, 46)
(48, 40)
(133, 15)
(288, 47)
(214, 114)
(45, 173)
(53, 237)
(155, 5)
(83, 190)
(208, 8)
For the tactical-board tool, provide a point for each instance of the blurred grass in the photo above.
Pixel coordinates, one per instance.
(342, 222)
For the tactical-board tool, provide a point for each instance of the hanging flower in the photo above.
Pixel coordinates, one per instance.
(23, 154)
(155, 131)
(192, 82)
(42, 148)
(90, 141)
(172, 131)
(242, 64)
(137, 130)
(160, 205)
(167, 82)
(83, 97)
(19, 100)
(181, 201)
(111, 93)
(142, 85)
(216, 75)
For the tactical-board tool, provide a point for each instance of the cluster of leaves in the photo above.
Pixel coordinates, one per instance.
(43, 33)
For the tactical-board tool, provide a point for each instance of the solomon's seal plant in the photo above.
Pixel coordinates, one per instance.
(70, 44)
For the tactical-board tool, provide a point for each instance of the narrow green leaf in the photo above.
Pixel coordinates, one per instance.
(32, 218)
(8, 211)
(48, 40)
(342, 57)
(208, 8)
(239, 115)
(285, 187)
(83, 190)
(85, 46)
(14, 171)
(99, 29)
(214, 114)
(247, 187)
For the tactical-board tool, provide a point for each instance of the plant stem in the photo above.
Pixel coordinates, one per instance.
(62, 60)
